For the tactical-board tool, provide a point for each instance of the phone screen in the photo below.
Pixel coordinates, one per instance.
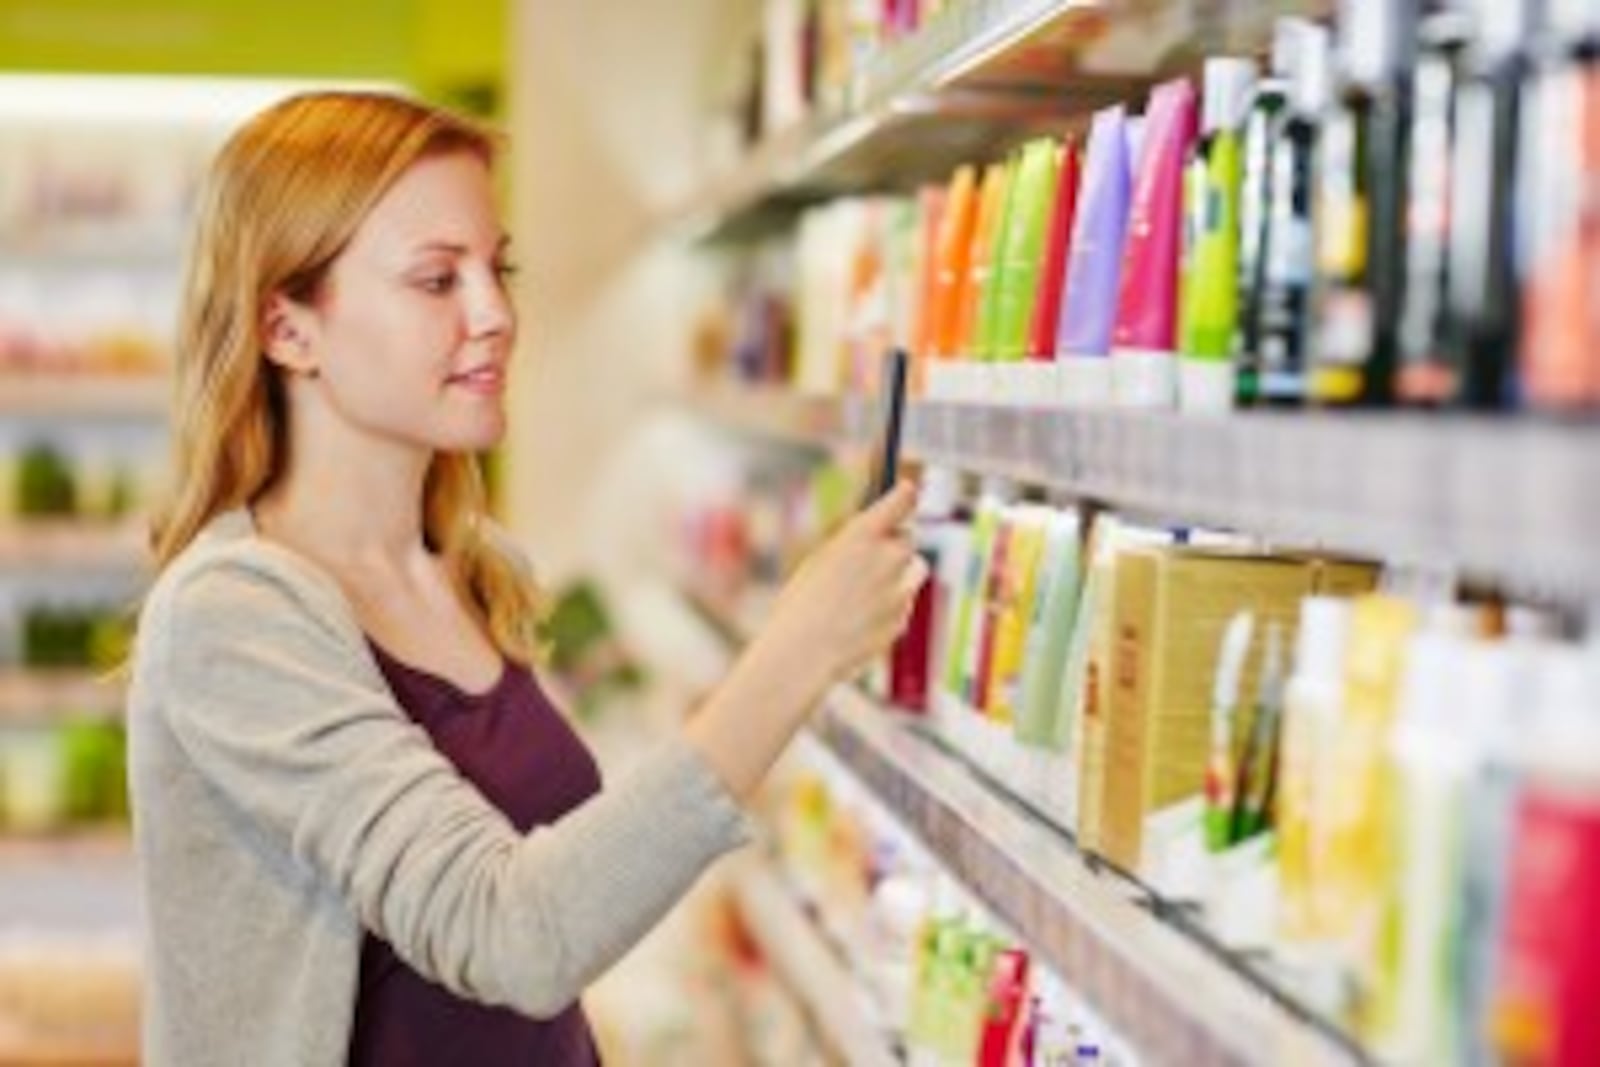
(891, 405)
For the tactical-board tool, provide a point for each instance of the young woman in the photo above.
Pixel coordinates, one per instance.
(365, 834)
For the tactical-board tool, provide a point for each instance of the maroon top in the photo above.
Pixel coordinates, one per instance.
(518, 750)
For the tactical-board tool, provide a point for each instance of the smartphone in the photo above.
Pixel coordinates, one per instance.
(890, 422)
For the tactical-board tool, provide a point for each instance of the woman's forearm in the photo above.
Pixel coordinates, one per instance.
(741, 730)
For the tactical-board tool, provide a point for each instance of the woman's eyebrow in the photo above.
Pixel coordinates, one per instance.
(456, 248)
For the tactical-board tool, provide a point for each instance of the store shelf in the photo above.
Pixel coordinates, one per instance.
(970, 85)
(808, 965)
(1169, 995)
(1509, 500)
(1514, 501)
(50, 396)
(72, 545)
(33, 695)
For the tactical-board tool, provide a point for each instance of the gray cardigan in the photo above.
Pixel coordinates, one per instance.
(284, 804)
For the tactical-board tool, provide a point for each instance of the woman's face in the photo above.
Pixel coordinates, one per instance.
(413, 328)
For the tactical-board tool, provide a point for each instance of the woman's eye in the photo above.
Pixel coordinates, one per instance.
(504, 271)
(438, 283)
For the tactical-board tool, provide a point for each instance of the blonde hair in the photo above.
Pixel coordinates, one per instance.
(283, 199)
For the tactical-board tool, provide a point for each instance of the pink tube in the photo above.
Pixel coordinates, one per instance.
(1146, 326)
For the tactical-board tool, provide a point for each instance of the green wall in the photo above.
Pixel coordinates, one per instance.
(451, 50)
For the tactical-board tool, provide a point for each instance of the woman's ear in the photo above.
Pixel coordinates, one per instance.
(286, 330)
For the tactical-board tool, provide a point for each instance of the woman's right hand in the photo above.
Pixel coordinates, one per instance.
(850, 599)
(845, 605)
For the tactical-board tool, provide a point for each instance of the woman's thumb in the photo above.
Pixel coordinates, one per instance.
(889, 512)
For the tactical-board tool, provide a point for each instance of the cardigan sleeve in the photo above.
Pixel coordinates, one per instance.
(271, 692)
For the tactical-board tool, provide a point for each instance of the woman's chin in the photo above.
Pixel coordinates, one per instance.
(482, 435)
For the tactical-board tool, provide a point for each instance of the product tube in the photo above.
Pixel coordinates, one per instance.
(1543, 1011)
(991, 205)
(1053, 270)
(1267, 107)
(1282, 306)
(914, 659)
(1144, 335)
(1560, 359)
(1427, 376)
(1039, 731)
(956, 225)
(1221, 772)
(1361, 196)
(984, 278)
(1483, 303)
(1094, 262)
(1210, 286)
(1313, 706)
(967, 621)
(930, 218)
(1022, 250)
(1017, 592)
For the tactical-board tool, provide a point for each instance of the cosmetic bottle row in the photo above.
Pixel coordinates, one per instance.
(951, 985)
(1391, 211)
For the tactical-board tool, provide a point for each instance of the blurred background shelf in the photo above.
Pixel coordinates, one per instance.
(97, 245)
(1171, 996)
(973, 83)
(109, 847)
(34, 694)
(808, 964)
(50, 396)
(782, 415)
(22, 1051)
(71, 544)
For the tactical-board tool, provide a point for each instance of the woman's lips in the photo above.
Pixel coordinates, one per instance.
(485, 380)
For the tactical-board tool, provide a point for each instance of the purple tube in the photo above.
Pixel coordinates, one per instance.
(1094, 261)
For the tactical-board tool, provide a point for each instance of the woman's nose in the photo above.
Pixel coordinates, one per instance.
(489, 310)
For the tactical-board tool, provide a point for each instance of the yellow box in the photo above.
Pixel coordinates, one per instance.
(1171, 608)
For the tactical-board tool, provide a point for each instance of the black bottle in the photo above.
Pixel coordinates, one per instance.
(1268, 107)
(1427, 376)
(1483, 295)
(1361, 186)
(1283, 325)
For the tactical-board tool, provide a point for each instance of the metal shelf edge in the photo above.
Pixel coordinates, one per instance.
(1512, 500)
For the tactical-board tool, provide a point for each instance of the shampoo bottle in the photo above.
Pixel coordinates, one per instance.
(1268, 105)
(1560, 356)
(1427, 376)
(1313, 706)
(1283, 305)
(1483, 306)
(1361, 190)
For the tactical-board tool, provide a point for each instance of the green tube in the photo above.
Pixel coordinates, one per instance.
(1022, 248)
(1209, 310)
